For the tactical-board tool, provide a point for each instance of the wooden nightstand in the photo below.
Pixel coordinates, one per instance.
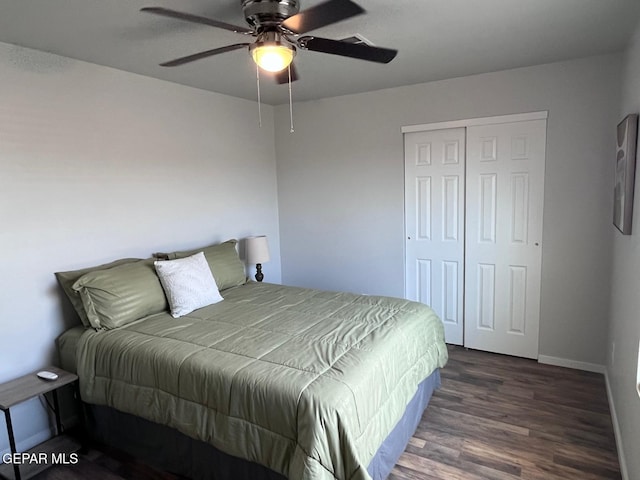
(20, 390)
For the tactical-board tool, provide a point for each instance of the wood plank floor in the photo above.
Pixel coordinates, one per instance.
(495, 417)
(500, 417)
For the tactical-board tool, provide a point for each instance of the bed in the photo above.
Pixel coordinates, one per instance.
(311, 385)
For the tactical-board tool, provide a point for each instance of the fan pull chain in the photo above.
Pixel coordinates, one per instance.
(290, 101)
(259, 106)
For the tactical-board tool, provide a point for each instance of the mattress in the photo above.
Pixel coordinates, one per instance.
(172, 451)
(305, 382)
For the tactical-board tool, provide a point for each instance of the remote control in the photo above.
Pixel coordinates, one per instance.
(47, 375)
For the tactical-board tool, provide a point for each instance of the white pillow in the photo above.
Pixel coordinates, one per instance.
(188, 283)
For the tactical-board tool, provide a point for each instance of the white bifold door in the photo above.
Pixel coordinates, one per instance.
(474, 203)
(434, 209)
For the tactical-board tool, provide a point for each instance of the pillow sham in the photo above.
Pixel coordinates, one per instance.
(67, 279)
(226, 267)
(188, 284)
(121, 295)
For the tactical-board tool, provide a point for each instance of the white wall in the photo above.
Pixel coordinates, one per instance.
(98, 164)
(341, 193)
(624, 328)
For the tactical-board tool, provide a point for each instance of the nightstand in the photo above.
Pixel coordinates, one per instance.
(53, 450)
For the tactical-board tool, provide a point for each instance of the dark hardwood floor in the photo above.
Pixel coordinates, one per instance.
(499, 417)
(495, 417)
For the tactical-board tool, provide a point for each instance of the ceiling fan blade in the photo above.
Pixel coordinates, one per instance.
(346, 49)
(283, 75)
(166, 12)
(205, 54)
(323, 14)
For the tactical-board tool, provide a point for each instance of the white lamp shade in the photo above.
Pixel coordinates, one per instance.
(257, 250)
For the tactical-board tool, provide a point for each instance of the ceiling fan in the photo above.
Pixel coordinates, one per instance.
(277, 26)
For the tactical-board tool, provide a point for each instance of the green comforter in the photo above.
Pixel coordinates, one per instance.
(308, 383)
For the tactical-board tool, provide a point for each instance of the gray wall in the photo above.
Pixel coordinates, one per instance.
(341, 197)
(624, 328)
(98, 164)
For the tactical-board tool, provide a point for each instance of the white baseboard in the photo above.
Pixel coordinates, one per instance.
(616, 430)
(575, 364)
(39, 437)
(27, 443)
(594, 367)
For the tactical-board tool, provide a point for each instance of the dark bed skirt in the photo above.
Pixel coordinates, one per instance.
(172, 451)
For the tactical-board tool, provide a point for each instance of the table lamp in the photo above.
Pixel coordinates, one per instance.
(257, 250)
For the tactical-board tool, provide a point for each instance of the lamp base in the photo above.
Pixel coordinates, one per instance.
(259, 275)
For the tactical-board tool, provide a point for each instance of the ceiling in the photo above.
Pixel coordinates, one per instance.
(436, 39)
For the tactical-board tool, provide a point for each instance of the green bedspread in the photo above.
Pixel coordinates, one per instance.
(306, 382)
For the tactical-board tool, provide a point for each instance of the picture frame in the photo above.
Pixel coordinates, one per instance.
(626, 142)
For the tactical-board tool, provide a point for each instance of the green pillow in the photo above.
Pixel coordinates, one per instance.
(67, 279)
(223, 260)
(121, 295)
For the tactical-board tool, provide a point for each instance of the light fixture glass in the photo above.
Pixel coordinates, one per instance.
(273, 56)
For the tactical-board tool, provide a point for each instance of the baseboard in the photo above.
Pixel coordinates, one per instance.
(39, 437)
(616, 430)
(575, 364)
(27, 443)
(594, 367)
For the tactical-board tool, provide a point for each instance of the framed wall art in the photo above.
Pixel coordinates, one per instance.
(625, 173)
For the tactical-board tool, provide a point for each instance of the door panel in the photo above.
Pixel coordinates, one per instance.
(434, 210)
(503, 253)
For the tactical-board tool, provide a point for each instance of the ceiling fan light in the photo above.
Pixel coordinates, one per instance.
(273, 57)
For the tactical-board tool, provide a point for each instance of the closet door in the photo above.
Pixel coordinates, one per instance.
(503, 251)
(434, 219)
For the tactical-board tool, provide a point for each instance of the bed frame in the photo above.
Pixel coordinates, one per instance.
(126, 298)
(175, 452)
